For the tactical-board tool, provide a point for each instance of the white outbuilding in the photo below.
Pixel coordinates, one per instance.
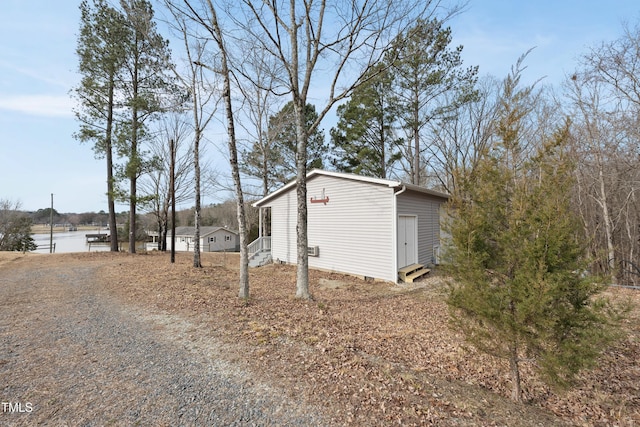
(212, 239)
(369, 227)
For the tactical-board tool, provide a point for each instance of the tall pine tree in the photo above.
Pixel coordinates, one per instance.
(364, 140)
(145, 83)
(281, 155)
(102, 53)
(426, 68)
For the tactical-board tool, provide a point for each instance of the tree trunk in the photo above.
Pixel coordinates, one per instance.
(196, 237)
(302, 276)
(173, 229)
(197, 263)
(299, 104)
(516, 390)
(235, 171)
(132, 215)
(172, 197)
(383, 157)
(160, 232)
(233, 155)
(165, 222)
(608, 228)
(196, 162)
(133, 162)
(163, 237)
(265, 190)
(113, 226)
(416, 140)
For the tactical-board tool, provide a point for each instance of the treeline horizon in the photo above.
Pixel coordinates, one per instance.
(215, 214)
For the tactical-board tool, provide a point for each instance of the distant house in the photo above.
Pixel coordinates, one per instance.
(369, 227)
(212, 239)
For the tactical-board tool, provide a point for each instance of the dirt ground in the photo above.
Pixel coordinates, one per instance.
(371, 353)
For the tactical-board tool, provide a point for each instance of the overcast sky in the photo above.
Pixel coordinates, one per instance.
(39, 156)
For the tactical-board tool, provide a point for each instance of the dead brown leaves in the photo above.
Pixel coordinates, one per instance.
(372, 353)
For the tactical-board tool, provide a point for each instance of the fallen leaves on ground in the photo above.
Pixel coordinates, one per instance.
(371, 352)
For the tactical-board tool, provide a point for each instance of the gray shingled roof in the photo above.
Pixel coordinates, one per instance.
(204, 231)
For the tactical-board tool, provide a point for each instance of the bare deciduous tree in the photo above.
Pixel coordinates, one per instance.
(205, 16)
(258, 72)
(605, 100)
(202, 98)
(324, 44)
(458, 139)
(155, 184)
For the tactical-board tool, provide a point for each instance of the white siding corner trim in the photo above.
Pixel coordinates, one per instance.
(394, 233)
(353, 221)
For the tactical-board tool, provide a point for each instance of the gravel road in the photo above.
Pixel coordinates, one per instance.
(71, 354)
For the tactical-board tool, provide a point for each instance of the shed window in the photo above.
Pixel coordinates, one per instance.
(227, 238)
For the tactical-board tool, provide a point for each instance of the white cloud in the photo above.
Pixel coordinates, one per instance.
(53, 73)
(39, 105)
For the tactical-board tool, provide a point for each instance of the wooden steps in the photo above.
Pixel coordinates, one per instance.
(411, 272)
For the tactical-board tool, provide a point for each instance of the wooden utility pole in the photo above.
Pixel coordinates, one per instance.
(172, 190)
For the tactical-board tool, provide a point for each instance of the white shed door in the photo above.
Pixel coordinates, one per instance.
(407, 240)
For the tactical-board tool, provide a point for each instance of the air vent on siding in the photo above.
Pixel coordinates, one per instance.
(313, 251)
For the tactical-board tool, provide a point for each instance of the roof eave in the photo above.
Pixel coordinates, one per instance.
(379, 181)
(315, 172)
(424, 190)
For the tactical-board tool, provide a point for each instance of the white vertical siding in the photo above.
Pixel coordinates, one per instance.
(283, 227)
(185, 243)
(355, 230)
(224, 241)
(427, 208)
(352, 230)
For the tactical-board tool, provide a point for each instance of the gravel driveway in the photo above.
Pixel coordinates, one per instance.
(70, 354)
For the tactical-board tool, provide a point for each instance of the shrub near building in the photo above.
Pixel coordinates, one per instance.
(517, 254)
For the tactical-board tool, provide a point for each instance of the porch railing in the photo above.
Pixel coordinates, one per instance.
(261, 244)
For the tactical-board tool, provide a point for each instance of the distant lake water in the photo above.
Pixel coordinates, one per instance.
(70, 241)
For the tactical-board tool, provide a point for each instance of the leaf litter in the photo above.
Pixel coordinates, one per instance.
(371, 353)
